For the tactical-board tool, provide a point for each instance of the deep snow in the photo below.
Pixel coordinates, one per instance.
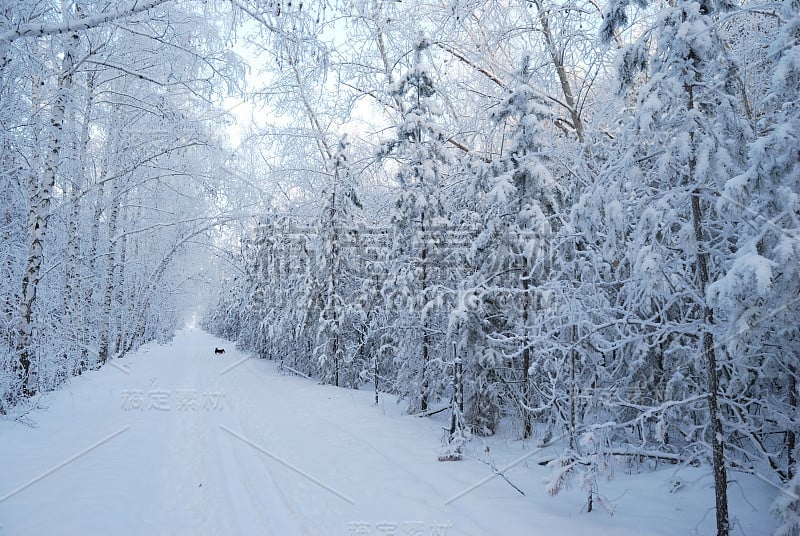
(176, 440)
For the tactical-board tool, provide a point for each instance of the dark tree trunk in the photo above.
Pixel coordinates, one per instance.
(709, 350)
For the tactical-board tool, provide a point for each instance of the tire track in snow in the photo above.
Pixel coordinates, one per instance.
(288, 393)
(256, 493)
(206, 488)
(299, 491)
(192, 471)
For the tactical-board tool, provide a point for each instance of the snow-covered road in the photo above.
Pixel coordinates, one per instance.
(176, 440)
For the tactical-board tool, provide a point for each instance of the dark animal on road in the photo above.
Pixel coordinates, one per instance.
(219, 350)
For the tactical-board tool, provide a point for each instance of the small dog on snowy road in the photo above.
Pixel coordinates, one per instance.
(219, 350)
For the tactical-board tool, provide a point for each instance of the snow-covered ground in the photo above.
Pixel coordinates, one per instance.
(176, 440)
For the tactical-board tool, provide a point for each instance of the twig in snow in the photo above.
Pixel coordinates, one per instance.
(500, 473)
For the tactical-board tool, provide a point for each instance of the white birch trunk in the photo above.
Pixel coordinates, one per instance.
(41, 199)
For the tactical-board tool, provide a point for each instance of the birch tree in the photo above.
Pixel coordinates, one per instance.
(41, 199)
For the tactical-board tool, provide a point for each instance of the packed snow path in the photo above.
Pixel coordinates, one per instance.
(178, 440)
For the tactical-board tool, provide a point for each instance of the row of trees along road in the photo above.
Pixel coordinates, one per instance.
(576, 222)
(112, 172)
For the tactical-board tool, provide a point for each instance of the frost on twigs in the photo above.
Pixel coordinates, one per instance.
(585, 466)
(787, 508)
(454, 442)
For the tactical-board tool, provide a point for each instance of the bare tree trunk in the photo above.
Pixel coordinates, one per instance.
(91, 291)
(333, 291)
(791, 435)
(104, 340)
(335, 335)
(557, 57)
(108, 288)
(573, 363)
(73, 291)
(527, 427)
(457, 408)
(120, 287)
(426, 338)
(129, 295)
(41, 198)
(709, 350)
(72, 280)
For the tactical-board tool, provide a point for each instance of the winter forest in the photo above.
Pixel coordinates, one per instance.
(576, 222)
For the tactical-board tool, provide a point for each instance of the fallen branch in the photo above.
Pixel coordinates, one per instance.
(665, 456)
(295, 371)
(498, 472)
(431, 412)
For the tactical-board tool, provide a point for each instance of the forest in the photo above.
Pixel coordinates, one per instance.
(576, 222)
